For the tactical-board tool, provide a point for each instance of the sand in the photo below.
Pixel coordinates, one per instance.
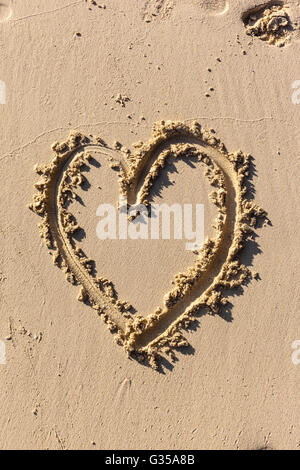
(157, 101)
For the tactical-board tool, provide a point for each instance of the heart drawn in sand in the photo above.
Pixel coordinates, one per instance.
(217, 265)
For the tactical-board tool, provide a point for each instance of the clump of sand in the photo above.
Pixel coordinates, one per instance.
(271, 24)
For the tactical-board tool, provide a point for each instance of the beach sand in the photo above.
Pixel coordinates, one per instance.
(161, 101)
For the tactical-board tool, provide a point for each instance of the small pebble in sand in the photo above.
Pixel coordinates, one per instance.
(117, 145)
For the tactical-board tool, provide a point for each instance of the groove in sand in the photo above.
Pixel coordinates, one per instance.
(217, 265)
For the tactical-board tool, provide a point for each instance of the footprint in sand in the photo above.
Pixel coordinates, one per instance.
(154, 9)
(5, 12)
(273, 22)
(214, 7)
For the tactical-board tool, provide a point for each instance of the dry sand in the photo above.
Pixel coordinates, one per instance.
(205, 362)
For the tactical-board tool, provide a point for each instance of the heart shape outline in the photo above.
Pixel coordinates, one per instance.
(228, 174)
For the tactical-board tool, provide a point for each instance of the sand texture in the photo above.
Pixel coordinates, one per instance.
(155, 101)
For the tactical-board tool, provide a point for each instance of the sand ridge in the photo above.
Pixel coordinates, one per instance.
(217, 266)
